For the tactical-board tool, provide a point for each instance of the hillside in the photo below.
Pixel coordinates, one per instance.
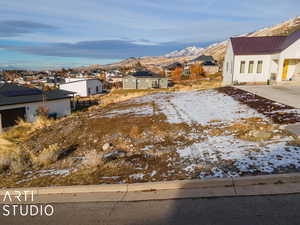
(189, 51)
(285, 28)
(217, 50)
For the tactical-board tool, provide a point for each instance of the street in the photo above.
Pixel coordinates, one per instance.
(258, 210)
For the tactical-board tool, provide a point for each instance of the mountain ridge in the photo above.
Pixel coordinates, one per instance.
(217, 50)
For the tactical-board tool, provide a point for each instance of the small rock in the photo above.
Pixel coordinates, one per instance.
(115, 155)
(260, 134)
(106, 146)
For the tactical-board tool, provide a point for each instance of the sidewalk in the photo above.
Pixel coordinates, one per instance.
(230, 187)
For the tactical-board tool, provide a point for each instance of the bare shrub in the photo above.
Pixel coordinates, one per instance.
(12, 159)
(93, 159)
(48, 155)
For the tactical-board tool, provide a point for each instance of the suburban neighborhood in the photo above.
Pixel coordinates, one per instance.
(149, 113)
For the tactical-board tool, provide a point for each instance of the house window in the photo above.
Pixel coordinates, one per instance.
(89, 91)
(97, 89)
(243, 66)
(259, 66)
(251, 67)
(227, 67)
(154, 84)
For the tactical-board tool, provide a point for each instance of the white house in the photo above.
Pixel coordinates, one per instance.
(19, 102)
(82, 87)
(262, 59)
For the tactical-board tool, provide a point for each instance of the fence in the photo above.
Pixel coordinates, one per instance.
(83, 104)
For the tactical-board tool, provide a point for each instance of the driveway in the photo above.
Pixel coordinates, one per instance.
(288, 95)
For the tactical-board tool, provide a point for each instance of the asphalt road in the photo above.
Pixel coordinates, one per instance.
(258, 210)
(288, 95)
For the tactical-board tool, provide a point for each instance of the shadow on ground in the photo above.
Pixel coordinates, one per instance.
(263, 210)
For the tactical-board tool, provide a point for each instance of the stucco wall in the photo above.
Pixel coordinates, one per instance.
(93, 84)
(62, 107)
(130, 82)
(227, 66)
(81, 87)
(211, 69)
(252, 77)
(292, 52)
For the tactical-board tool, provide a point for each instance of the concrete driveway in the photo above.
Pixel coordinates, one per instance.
(288, 95)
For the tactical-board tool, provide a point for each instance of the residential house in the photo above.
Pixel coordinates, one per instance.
(262, 59)
(115, 79)
(208, 64)
(82, 87)
(210, 67)
(144, 80)
(168, 70)
(203, 58)
(20, 102)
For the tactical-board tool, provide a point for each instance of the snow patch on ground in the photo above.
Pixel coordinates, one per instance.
(137, 176)
(199, 107)
(263, 157)
(139, 111)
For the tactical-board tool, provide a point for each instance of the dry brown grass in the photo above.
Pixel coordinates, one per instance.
(197, 85)
(23, 129)
(47, 156)
(121, 95)
(12, 159)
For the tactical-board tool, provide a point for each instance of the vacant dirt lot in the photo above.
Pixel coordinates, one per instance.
(161, 136)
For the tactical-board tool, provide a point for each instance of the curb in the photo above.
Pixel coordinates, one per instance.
(228, 187)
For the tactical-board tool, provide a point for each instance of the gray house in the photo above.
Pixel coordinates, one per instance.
(144, 80)
(20, 102)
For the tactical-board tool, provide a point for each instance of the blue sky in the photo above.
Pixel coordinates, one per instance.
(56, 32)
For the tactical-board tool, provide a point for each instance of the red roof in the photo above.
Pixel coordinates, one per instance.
(263, 45)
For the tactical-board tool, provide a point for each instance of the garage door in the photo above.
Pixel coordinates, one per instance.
(10, 117)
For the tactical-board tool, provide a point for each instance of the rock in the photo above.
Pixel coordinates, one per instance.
(261, 135)
(115, 155)
(106, 146)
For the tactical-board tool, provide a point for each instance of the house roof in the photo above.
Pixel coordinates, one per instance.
(204, 58)
(263, 45)
(80, 80)
(11, 94)
(173, 66)
(209, 63)
(146, 74)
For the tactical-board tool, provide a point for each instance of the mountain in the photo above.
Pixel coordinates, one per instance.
(189, 51)
(218, 50)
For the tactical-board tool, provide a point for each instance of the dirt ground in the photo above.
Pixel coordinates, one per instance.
(137, 140)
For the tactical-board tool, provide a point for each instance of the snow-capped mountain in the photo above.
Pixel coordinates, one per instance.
(218, 50)
(189, 51)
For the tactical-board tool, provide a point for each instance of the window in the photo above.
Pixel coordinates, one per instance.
(243, 66)
(251, 67)
(155, 84)
(97, 89)
(227, 67)
(259, 66)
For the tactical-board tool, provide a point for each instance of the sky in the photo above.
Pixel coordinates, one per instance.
(37, 34)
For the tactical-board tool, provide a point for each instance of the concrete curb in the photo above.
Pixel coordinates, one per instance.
(242, 186)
